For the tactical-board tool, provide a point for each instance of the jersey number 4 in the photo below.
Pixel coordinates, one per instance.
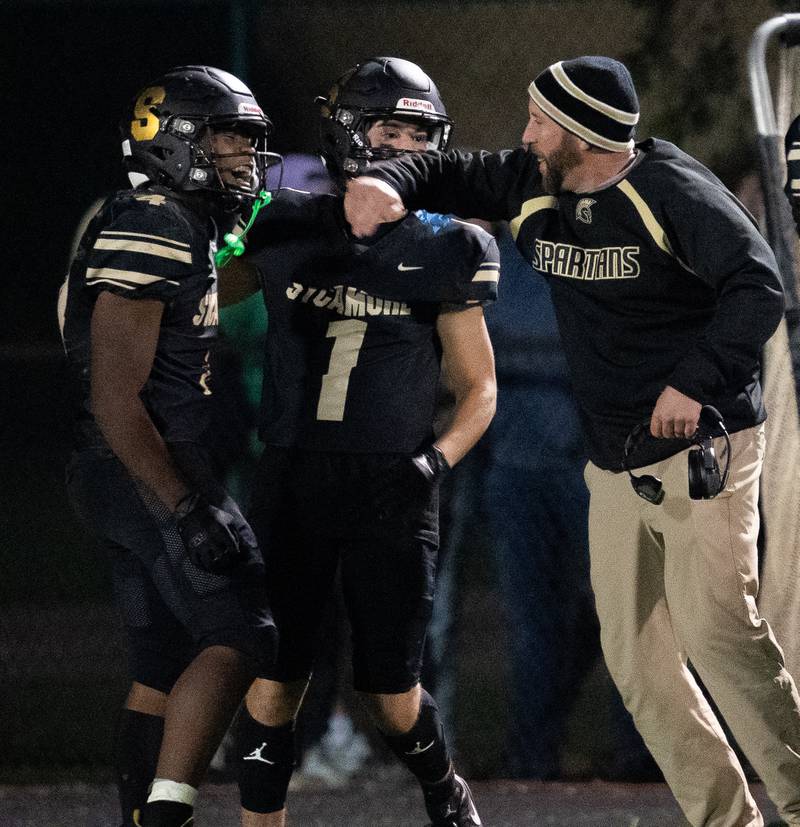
(348, 336)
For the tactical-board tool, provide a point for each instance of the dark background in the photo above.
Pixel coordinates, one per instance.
(68, 70)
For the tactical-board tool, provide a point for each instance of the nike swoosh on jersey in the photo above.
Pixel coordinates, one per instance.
(404, 267)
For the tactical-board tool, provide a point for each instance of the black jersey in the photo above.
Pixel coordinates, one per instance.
(353, 358)
(659, 278)
(145, 244)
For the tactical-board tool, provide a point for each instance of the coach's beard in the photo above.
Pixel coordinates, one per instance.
(555, 167)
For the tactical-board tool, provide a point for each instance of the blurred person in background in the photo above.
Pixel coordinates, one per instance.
(536, 503)
(520, 500)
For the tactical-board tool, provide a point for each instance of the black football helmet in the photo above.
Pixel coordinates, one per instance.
(166, 134)
(377, 89)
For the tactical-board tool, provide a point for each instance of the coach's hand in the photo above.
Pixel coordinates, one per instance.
(412, 480)
(675, 415)
(370, 202)
(209, 534)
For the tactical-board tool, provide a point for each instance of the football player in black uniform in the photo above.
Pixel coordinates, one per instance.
(351, 468)
(665, 293)
(139, 313)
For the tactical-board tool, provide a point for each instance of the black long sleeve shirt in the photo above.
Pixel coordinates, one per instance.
(659, 278)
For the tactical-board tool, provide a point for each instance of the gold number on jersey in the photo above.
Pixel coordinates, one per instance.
(348, 336)
(153, 199)
(145, 123)
(205, 376)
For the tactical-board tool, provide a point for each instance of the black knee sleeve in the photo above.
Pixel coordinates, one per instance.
(265, 764)
(423, 748)
(136, 751)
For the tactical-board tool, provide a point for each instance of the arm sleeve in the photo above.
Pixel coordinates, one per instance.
(714, 237)
(469, 273)
(482, 278)
(144, 252)
(484, 185)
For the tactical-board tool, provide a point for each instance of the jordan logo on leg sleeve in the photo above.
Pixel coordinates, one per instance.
(256, 755)
(418, 749)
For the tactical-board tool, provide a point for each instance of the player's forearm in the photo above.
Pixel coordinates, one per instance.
(131, 435)
(474, 409)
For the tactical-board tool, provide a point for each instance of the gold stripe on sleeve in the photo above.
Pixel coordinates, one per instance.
(116, 283)
(147, 247)
(646, 214)
(145, 235)
(649, 220)
(130, 277)
(542, 202)
(487, 275)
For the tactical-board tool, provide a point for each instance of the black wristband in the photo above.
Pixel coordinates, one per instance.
(443, 463)
(432, 463)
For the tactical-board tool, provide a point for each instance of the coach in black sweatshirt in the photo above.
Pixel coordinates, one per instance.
(665, 294)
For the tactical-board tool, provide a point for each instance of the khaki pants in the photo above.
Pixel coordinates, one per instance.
(677, 582)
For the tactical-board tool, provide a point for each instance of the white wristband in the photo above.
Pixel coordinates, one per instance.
(162, 789)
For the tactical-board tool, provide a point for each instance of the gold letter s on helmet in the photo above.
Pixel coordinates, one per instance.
(145, 123)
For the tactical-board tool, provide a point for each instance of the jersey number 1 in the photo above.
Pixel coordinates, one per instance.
(348, 336)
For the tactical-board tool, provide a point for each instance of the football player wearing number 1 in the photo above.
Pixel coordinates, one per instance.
(138, 314)
(351, 468)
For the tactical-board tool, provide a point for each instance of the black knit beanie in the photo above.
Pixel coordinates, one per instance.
(592, 97)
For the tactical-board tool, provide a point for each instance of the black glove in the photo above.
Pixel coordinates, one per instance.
(411, 480)
(209, 534)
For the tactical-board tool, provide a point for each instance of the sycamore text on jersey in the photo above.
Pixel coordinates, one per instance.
(347, 301)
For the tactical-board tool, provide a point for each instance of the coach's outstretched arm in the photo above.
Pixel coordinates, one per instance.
(473, 185)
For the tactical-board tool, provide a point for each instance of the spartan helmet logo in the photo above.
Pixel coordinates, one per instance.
(583, 211)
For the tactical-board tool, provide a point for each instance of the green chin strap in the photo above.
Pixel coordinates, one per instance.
(234, 244)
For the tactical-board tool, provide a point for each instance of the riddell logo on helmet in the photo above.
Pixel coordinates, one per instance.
(415, 104)
(249, 109)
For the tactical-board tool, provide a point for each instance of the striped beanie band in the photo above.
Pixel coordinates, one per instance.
(592, 97)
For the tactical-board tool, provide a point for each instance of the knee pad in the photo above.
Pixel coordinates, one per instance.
(258, 642)
(265, 762)
(156, 665)
(423, 748)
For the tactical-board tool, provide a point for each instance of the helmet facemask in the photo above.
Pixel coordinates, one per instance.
(379, 147)
(183, 136)
(229, 167)
(379, 89)
(360, 152)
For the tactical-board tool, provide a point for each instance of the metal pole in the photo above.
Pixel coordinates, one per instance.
(779, 224)
(237, 33)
